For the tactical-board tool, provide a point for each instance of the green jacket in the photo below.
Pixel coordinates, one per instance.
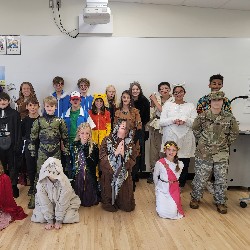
(214, 134)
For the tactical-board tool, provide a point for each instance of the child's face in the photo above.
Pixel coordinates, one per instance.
(135, 91)
(171, 152)
(58, 87)
(76, 103)
(122, 130)
(32, 108)
(4, 103)
(126, 99)
(50, 109)
(26, 90)
(83, 87)
(216, 85)
(98, 103)
(111, 93)
(217, 104)
(84, 135)
(164, 90)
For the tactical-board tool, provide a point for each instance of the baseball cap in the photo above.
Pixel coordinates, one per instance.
(75, 95)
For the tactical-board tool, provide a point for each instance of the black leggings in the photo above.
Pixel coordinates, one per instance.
(184, 173)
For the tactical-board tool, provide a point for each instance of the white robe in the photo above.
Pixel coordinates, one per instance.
(55, 201)
(165, 205)
(182, 134)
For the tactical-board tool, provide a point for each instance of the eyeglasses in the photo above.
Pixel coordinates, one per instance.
(177, 93)
(59, 84)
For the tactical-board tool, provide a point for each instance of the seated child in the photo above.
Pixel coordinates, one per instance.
(55, 200)
(85, 155)
(167, 191)
(117, 157)
(9, 211)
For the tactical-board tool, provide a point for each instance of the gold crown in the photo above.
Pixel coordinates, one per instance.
(169, 145)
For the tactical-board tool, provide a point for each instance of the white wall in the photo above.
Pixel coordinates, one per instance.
(33, 17)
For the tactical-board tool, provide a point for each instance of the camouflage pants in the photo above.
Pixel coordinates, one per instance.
(203, 169)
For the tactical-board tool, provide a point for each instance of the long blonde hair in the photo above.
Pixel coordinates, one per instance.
(176, 158)
(85, 125)
(115, 97)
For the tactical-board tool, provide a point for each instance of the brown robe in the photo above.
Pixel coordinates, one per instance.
(133, 118)
(125, 198)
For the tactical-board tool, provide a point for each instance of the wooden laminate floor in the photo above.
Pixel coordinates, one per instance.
(204, 228)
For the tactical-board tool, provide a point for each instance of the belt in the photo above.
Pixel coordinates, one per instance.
(170, 182)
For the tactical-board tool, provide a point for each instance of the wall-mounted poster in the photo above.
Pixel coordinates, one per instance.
(2, 45)
(2, 77)
(13, 44)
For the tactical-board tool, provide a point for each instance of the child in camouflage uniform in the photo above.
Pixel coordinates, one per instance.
(52, 134)
(215, 130)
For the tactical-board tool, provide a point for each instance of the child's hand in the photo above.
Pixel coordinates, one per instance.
(58, 226)
(49, 226)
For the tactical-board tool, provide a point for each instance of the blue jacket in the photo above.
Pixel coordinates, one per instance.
(83, 117)
(86, 102)
(62, 104)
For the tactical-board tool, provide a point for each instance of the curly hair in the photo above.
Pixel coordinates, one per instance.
(20, 100)
(131, 104)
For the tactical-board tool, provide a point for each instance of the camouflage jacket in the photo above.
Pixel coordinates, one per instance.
(214, 134)
(50, 131)
(204, 104)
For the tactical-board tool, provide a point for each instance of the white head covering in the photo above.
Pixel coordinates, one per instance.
(52, 167)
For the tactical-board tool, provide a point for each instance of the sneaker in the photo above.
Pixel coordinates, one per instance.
(15, 191)
(31, 191)
(222, 208)
(150, 179)
(210, 187)
(31, 204)
(194, 204)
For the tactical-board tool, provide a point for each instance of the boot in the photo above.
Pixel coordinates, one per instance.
(194, 204)
(150, 179)
(31, 204)
(15, 191)
(222, 208)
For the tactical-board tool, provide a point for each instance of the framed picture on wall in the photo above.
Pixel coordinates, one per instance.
(13, 44)
(2, 45)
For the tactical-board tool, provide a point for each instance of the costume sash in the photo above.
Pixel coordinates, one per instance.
(174, 188)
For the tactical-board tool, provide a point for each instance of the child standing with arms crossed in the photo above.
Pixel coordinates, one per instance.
(167, 191)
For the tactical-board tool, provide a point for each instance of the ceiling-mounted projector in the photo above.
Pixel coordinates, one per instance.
(96, 12)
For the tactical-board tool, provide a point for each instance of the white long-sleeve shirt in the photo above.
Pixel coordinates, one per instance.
(181, 134)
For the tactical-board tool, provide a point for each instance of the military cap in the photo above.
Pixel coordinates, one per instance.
(217, 95)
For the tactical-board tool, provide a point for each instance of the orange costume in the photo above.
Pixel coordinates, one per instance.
(102, 122)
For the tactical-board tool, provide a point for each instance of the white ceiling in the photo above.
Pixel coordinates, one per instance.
(216, 4)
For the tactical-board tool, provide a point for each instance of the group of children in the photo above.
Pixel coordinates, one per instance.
(72, 145)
